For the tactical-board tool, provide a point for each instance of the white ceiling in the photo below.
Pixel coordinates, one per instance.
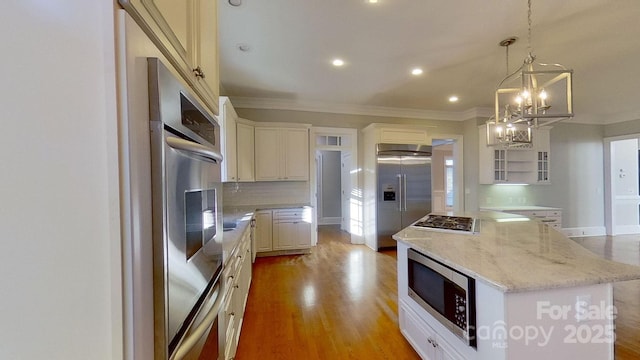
(456, 42)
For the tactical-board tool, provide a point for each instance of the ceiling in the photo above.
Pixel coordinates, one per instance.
(291, 45)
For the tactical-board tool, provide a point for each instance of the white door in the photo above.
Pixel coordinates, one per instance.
(625, 186)
(345, 178)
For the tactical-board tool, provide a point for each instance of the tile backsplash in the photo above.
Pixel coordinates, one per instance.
(265, 193)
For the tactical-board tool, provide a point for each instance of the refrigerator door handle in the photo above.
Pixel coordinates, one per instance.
(400, 192)
(404, 191)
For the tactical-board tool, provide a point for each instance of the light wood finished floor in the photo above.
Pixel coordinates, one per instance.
(340, 302)
(626, 294)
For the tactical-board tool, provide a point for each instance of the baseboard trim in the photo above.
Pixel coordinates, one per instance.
(626, 230)
(585, 231)
(329, 221)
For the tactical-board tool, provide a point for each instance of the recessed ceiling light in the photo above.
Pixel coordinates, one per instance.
(235, 2)
(337, 62)
(416, 71)
(453, 98)
(244, 47)
(372, 1)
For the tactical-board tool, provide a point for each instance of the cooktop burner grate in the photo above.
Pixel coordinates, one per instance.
(444, 222)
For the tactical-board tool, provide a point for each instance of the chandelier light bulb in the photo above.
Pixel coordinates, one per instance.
(543, 98)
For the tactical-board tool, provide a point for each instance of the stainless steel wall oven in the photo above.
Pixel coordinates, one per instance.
(187, 218)
(446, 294)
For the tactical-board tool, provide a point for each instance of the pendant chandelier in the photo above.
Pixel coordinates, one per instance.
(535, 95)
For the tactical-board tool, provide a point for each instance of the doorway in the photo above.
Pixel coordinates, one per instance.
(622, 185)
(334, 183)
(446, 176)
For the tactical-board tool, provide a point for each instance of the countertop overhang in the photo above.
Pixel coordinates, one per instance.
(513, 253)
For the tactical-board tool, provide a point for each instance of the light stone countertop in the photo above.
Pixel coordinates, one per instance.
(515, 256)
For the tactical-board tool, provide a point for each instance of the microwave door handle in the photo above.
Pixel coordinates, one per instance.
(193, 338)
(194, 148)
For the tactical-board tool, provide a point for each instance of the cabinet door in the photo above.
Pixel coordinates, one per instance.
(284, 235)
(543, 151)
(263, 232)
(228, 118)
(446, 351)
(296, 154)
(205, 52)
(303, 235)
(186, 32)
(267, 156)
(245, 147)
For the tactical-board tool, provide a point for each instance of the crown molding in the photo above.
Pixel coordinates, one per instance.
(351, 109)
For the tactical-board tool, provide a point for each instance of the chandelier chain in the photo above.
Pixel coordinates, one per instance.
(507, 57)
(529, 22)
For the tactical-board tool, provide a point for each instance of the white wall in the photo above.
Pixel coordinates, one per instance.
(60, 241)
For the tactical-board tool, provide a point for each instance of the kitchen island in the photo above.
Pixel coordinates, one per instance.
(537, 293)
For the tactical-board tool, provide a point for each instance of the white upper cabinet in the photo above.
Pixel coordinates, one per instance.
(281, 154)
(228, 142)
(398, 134)
(525, 165)
(186, 33)
(246, 147)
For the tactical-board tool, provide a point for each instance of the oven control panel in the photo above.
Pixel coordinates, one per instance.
(460, 315)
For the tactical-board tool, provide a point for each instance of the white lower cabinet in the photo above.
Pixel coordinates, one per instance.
(263, 233)
(291, 229)
(283, 229)
(428, 344)
(237, 277)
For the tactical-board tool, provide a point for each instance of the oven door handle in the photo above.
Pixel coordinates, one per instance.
(194, 148)
(187, 344)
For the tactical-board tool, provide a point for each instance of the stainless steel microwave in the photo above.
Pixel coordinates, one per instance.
(446, 294)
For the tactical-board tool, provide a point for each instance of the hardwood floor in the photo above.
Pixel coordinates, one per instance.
(626, 294)
(340, 302)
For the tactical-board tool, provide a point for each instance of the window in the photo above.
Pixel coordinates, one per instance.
(448, 173)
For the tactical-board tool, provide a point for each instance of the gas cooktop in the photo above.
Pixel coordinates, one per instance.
(445, 222)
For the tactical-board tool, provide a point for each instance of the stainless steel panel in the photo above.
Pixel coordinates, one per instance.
(403, 150)
(189, 270)
(187, 213)
(403, 188)
(389, 218)
(417, 174)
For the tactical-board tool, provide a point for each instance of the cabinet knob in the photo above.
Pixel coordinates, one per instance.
(198, 72)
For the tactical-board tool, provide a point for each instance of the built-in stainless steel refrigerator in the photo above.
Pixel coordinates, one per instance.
(403, 188)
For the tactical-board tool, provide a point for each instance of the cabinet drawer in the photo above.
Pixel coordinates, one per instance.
(297, 214)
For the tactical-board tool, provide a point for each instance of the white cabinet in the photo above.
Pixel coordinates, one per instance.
(428, 344)
(246, 150)
(292, 228)
(186, 33)
(399, 134)
(237, 143)
(263, 232)
(228, 140)
(553, 218)
(281, 154)
(283, 229)
(543, 153)
(520, 165)
(237, 280)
